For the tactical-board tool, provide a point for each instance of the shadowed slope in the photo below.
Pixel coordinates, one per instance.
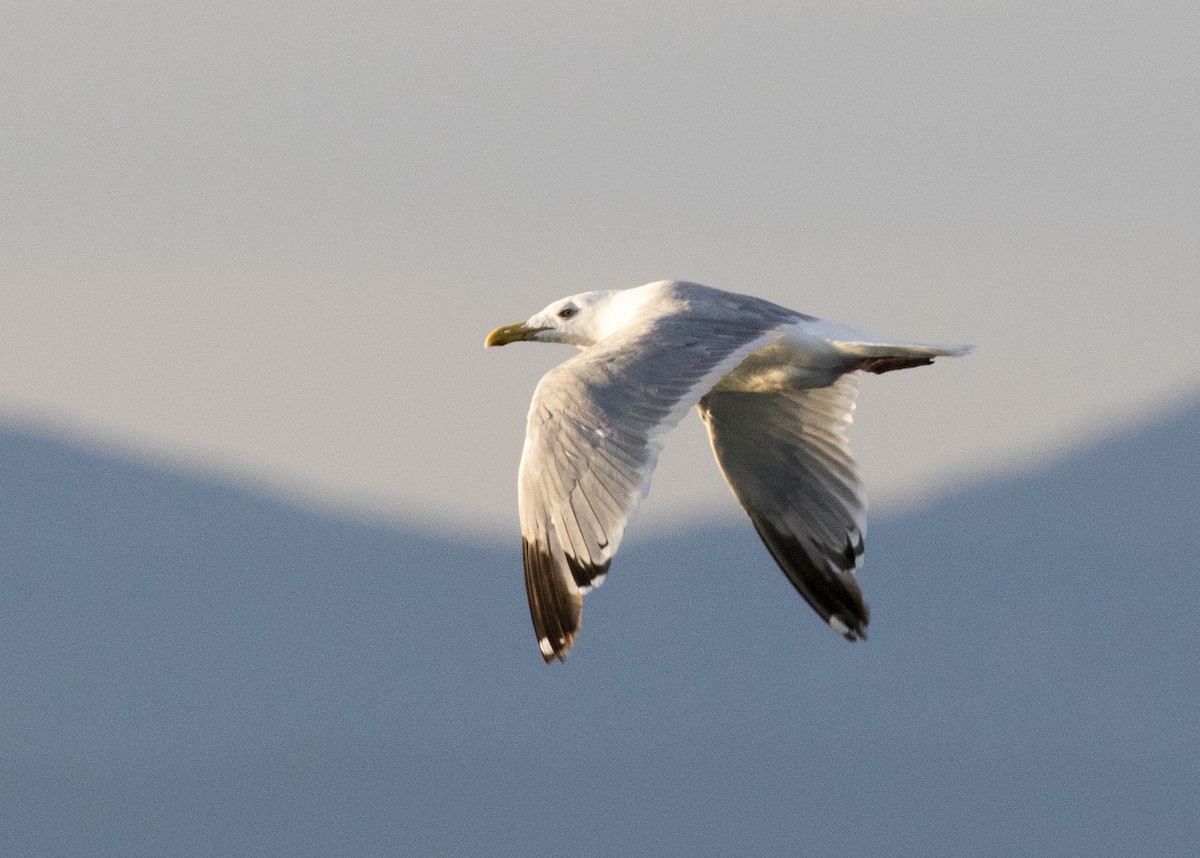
(193, 670)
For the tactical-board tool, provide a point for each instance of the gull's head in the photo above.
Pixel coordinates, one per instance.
(580, 320)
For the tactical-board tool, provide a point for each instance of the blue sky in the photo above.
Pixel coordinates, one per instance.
(270, 240)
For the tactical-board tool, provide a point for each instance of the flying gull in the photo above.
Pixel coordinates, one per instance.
(776, 389)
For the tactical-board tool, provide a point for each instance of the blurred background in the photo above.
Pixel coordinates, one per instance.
(269, 239)
(260, 472)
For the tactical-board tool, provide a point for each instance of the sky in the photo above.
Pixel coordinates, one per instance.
(268, 240)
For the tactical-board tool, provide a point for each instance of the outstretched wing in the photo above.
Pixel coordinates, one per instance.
(786, 456)
(592, 441)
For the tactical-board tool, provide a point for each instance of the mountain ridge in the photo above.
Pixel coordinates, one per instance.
(195, 669)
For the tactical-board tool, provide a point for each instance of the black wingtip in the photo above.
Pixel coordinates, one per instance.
(833, 594)
(556, 611)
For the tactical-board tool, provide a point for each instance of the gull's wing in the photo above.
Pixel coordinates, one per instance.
(592, 441)
(786, 457)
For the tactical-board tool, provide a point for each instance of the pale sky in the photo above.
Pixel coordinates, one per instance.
(268, 239)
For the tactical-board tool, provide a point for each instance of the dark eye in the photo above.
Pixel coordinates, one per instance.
(567, 312)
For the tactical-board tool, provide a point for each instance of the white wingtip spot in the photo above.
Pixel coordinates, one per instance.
(545, 647)
(596, 582)
(836, 623)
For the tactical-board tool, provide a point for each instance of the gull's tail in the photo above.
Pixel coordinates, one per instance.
(881, 357)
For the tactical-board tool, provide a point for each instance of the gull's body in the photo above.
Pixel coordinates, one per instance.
(776, 389)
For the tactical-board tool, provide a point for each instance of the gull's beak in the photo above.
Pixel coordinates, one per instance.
(511, 334)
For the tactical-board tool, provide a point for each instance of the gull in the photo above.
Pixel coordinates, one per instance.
(776, 389)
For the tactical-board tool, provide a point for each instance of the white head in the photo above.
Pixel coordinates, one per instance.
(580, 320)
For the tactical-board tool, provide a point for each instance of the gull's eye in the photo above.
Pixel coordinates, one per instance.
(567, 312)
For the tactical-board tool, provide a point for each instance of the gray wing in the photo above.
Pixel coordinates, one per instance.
(786, 456)
(591, 443)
